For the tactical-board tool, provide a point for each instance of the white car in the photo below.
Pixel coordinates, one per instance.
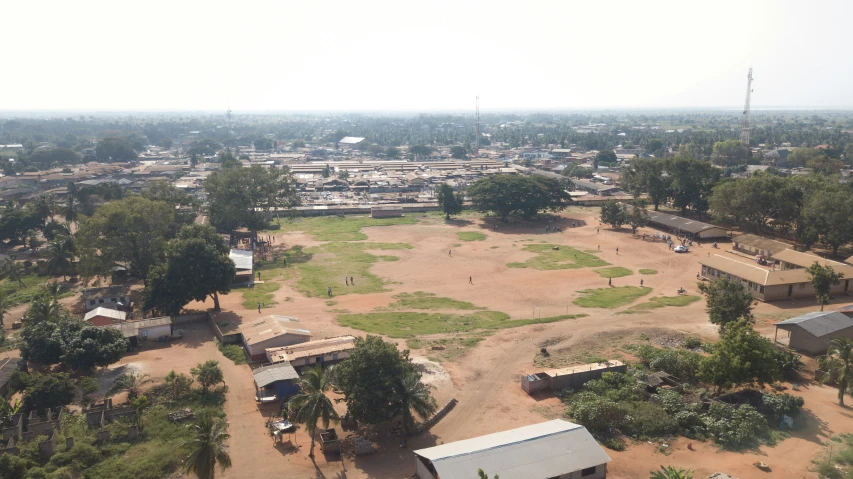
(681, 249)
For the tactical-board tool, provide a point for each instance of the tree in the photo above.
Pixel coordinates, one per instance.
(311, 404)
(413, 395)
(646, 176)
(604, 156)
(827, 212)
(838, 364)
(94, 346)
(367, 378)
(46, 333)
(139, 403)
(576, 171)
(263, 144)
(115, 149)
(208, 374)
(420, 150)
(825, 165)
(637, 217)
(458, 152)
(753, 201)
(11, 269)
(823, 278)
(613, 214)
(691, 180)
(527, 196)
(5, 305)
(207, 447)
(801, 156)
(49, 391)
(59, 258)
(741, 357)
(727, 302)
(450, 202)
(131, 232)
(206, 147)
(131, 382)
(16, 224)
(392, 152)
(729, 152)
(197, 266)
(243, 196)
(670, 472)
(228, 160)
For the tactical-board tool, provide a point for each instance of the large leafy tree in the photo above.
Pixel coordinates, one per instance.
(827, 214)
(311, 404)
(243, 196)
(691, 181)
(94, 347)
(613, 213)
(16, 224)
(367, 378)
(208, 374)
(637, 216)
(197, 266)
(646, 176)
(729, 153)
(753, 201)
(526, 196)
(207, 447)
(727, 302)
(131, 382)
(450, 202)
(838, 364)
(115, 149)
(741, 357)
(823, 278)
(49, 391)
(131, 232)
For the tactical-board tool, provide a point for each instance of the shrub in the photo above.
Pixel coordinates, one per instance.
(789, 362)
(680, 363)
(692, 342)
(599, 415)
(646, 419)
(176, 386)
(735, 427)
(616, 387)
(778, 405)
(233, 352)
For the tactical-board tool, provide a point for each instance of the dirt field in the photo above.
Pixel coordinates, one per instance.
(485, 378)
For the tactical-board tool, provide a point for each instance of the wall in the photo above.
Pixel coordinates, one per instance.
(155, 332)
(713, 233)
(100, 321)
(259, 349)
(580, 378)
(600, 473)
(421, 470)
(806, 342)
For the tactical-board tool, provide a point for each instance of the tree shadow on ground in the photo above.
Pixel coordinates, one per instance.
(458, 222)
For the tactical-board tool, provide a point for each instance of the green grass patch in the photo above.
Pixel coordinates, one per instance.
(331, 303)
(260, 293)
(334, 261)
(591, 251)
(563, 258)
(610, 297)
(389, 258)
(494, 247)
(614, 272)
(471, 236)
(233, 352)
(334, 228)
(412, 324)
(33, 285)
(445, 349)
(664, 301)
(456, 245)
(648, 271)
(422, 300)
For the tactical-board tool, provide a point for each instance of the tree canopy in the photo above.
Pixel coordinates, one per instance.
(243, 196)
(741, 357)
(115, 149)
(526, 196)
(450, 202)
(727, 302)
(823, 278)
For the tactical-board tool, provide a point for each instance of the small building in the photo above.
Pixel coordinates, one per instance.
(685, 226)
(323, 351)
(553, 449)
(275, 382)
(756, 245)
(594, 188)
(812, 332)
(271, 332)
(350, 141)
(572, 377)
(102, 316)
(145, 329)
(243, 260)
(7, 367)
(386, 211)
(117, 297)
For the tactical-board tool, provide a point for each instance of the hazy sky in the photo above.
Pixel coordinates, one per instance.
(423, 55)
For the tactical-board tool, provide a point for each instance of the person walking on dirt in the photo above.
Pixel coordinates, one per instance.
(259, 307)
(609, 281)
(470, 280)
(617, 251)
(450, 252)
(330, 291)
(285, 262)
(641, 282)
(351, 281)
(346, 280)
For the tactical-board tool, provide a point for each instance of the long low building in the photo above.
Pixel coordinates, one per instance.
(789, 280)
(812, 332)
(572, 377)
(686, 226)
(323, 351)
(271, 332)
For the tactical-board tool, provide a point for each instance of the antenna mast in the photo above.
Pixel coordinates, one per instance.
(477, 148)
(228, 117)
(744, 127)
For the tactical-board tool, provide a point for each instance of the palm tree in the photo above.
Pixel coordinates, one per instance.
(413, 395)
(208, 447)
(670, 472)
(312, 404)
(838, 364)
(43, 310)
(139, 404)
(130, 382)
(12, 270)
(59, 257)
(5, 304)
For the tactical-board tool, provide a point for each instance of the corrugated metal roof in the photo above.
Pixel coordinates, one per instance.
(683, 224)
(131, 328)
(351, 140)
(242, 258)
(746, 271)
(106, 312)
(267, 375)
(818, 323)
(806, 259)
(547, 449)
(311, 348)
(269, 327)
(761, 243)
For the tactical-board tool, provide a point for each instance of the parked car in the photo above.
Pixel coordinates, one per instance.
(681, 249)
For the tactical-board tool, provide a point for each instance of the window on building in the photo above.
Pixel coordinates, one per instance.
(761, 290)
(588, 471)
(113, 300)
(100, 301)
(334, 356)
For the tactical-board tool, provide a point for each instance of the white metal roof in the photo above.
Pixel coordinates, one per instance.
(267, 375)
(106, 312)
(351, 140)
(547, 449)
(242, 258)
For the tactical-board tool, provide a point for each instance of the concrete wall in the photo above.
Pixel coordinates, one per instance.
(258, 351)
(713, 233)
(580, 378)
(600, 473)
(328, 359)
(100, 320)
(155, 332)
(804, 341)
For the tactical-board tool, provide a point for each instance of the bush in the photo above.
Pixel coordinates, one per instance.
(735, 427)
(692, 342)
(175, 386)
(233, 352)
(779, 405)
(599, 415)
(680, 363)
(647, 420)
(616, 387)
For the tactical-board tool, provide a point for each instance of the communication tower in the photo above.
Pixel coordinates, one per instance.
(744, 127)
(477, 147)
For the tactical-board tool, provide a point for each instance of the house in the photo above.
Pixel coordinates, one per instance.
(594, 188)
(685, 226)
(275, 382)
(102, 316)
(553, 449)
(386, 211)
(7, 367)
(243, 261)
(350, 141)
(272, 331)
(812, 332)
(756, 245)
(110, 296)
(322, 351)
(145, 329)
(572, 377)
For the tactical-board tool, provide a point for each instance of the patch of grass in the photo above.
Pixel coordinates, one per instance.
(341, 311)
(412, 324)
(614, 272)
(591, 251)
(233, 352)
(337, 260)
(333, 228)
(260, 293)
(331, 302)
(422, 300)
(563, 258)
(610, 297)
(663, 301)
(389, 258)
(494, 247)
(445, 349)
(33, 286)
(648, 271)
(471, 236)
(456, 245)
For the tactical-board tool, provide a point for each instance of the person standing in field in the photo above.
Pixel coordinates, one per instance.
(470, 280)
